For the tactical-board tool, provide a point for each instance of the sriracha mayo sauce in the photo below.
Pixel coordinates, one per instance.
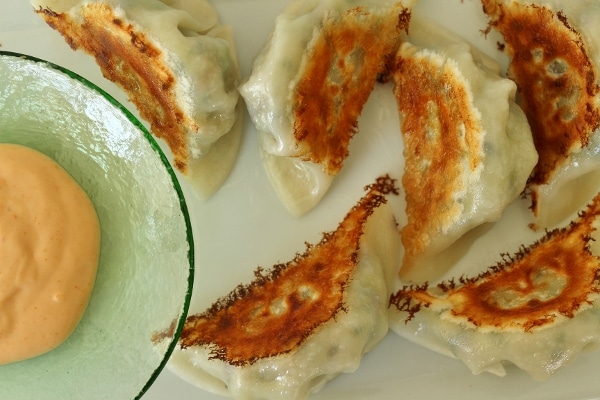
(49, 250)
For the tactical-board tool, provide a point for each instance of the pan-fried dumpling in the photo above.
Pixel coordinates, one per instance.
(462, 133)
(537, 309)
(178, 66)
(554, 51)
(301, 324)
(309, 84)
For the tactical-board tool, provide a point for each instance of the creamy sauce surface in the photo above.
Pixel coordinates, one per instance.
(49, 251)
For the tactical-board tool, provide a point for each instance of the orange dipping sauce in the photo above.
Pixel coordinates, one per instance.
(49, 251)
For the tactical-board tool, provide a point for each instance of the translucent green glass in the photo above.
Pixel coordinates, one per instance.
(145, 274)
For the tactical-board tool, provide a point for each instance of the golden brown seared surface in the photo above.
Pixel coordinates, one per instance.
(132, 61)
(555, 277)
(442, 143)
(280, 309)
(555, 77)
(340, 72)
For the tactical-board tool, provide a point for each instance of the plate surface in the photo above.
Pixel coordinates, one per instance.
(244, 225)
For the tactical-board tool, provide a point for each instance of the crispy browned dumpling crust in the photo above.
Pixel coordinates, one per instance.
(282, 307)
(433, 99)
(337, 78)
(555, 77)
(129, 59)
(516, 294)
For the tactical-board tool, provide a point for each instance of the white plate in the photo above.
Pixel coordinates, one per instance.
(245, 226)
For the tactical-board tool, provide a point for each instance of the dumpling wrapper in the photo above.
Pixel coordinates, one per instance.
(296, 327)
(554, 51)
(178, 66)
(309, 84)
(537, 309)
(468, 148)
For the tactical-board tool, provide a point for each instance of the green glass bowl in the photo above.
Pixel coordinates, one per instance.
(144, 281)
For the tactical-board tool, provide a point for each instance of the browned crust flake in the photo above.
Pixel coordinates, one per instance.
(555, 78)
(340, 73)
(282, 307)
(562, 254)
(129, 59)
